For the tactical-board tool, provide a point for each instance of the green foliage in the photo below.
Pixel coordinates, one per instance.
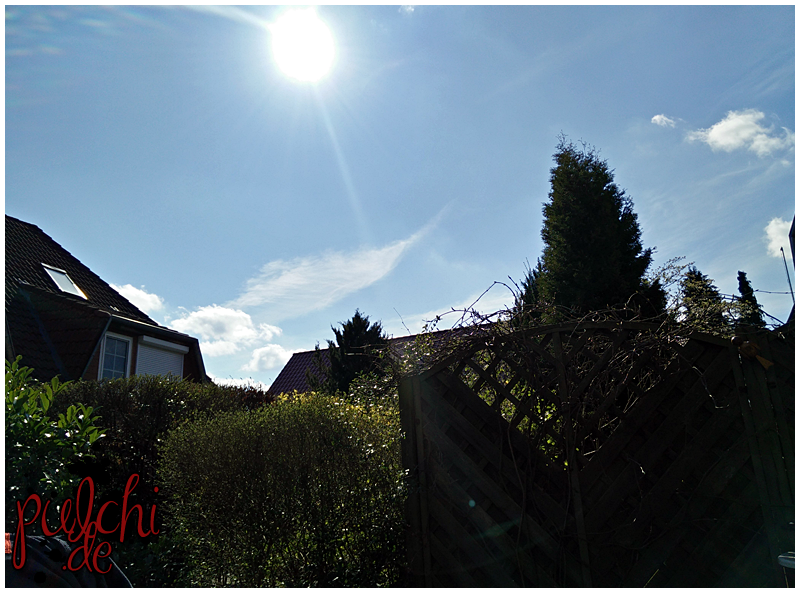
(750, 313)
(593, 257)
(138, 411)
(358, 348)
(702, 306)
(696, 304)
(670, 276)
(40, 448)
(527, 301)
(305, 492)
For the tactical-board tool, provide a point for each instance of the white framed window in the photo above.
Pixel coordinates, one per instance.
(115, 357)
(63, 281)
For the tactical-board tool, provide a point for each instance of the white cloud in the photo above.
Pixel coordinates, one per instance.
(219, 348)
(269, 331)
(141, 299)
(298, 286)
(267, 357)
(663, 121)
(223, 330)
(776, 235)
(239, 382)
(406, 9)
(741, 129)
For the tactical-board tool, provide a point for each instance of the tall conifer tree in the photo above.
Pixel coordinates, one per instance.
(750, 310)
(593, 257)
(702, 305)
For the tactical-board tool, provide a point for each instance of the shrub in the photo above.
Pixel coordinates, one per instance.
(40, 449)
(137, 412)
(305, 492)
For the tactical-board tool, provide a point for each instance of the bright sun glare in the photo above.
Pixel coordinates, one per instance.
(302, 45)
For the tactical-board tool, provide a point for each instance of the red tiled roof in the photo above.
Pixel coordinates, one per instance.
(293, 376)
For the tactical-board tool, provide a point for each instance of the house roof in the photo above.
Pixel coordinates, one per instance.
(56, 332)
(293, 376)
(56, 336)
(28, 247)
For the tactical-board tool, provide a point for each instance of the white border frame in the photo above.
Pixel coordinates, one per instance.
(49, 269)
(103, 354)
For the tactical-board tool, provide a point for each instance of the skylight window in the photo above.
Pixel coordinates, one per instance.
(63, 281)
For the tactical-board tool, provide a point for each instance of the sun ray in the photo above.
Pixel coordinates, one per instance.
(355, 203)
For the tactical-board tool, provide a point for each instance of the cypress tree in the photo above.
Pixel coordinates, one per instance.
(593, 257)
(702, 305)
(527, 305)
(749, 311)
(356, 350)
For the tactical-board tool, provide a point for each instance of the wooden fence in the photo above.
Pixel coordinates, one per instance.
(604, 454)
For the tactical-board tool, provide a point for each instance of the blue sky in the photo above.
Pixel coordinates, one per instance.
(166, 150)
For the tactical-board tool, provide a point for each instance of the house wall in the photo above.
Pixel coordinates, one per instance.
(93, 369)
(191, 369)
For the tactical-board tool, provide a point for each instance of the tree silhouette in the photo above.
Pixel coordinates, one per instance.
(702, 306)
(357, 349)
(593, 257)
(749, 311)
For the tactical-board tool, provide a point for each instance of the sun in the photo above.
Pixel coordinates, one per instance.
(302, 45)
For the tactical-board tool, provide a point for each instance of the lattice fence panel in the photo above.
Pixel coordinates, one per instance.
(606, 454)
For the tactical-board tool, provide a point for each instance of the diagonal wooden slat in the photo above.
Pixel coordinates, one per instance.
(676, 470)
(659, 440)
(489, 530)
(478, 555)
(479, 441)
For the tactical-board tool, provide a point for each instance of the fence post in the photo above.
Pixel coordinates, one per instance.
(750, 397)
(417, 538)
(572, 464)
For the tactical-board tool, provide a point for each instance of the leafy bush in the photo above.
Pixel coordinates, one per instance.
(39, 449)
(137, 413)
(139, 410)
(305, 492)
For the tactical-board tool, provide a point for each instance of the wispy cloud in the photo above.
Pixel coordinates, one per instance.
(294, 287)
(742, 129)
(146, 301)
(222, 330)
(663, 121)
(406, 9)
(776, 235)
(232, 13)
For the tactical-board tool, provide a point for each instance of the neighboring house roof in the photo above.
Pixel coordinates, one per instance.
(293, 376)
(56, 332)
